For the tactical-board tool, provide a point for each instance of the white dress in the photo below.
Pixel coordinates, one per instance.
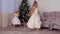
(34, 21)
(15, 20)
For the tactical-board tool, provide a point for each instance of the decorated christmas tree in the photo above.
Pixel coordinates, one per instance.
(24, 11)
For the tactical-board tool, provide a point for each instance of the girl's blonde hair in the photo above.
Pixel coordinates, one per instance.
(35, 2)
(17, 12)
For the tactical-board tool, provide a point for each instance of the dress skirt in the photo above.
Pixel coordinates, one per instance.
(34, 21)
(15, 21)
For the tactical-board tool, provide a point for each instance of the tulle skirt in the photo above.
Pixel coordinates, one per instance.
(15, 21)
(34, 22)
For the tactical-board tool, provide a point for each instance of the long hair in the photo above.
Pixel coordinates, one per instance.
(35, 2)
(16, 11)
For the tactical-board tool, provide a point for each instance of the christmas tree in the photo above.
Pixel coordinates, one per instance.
(24, 11)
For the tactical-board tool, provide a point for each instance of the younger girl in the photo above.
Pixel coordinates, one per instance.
(15, 19)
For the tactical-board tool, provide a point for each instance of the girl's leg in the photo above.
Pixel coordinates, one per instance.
(37, 29)
(24, 24)
(30, 30)
(13, 26)
(19, 25)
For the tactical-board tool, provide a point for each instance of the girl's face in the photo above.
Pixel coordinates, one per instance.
(17, 12)
(36, 4)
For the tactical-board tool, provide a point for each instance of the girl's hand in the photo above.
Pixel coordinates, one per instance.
(12, 15)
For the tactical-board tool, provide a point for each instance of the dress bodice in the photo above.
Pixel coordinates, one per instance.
(15, 15)
(35, 11)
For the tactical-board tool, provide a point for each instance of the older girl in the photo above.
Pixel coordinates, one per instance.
(34, 21)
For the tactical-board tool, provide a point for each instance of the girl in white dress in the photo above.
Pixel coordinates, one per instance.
(15, 19)
(34, 21)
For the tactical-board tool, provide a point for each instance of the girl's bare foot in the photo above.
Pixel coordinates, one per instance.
(31, 30)
(20, 26)
(38, 30)
(13, 27)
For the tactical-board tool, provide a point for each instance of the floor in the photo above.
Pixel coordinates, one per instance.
(25, 30)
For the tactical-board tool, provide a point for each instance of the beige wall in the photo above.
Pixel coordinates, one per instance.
(48, 5)
(8, 7)
(0, 19)
(5, 19)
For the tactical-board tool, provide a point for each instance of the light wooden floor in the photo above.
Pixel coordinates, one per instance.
(25, 30)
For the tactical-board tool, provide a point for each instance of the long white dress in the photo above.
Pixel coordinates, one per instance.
(15, 20)
(34, 21)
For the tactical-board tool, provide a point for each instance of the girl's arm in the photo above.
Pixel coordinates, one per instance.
(32, 9)
(12, 15)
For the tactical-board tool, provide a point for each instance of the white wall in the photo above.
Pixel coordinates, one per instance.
(0, 14)
(18, 2)
(48, 5)
(5, 12)
(9, 6)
